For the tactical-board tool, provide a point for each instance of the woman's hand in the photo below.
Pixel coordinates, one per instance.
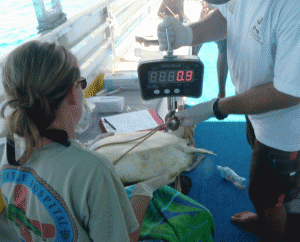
(147, 188)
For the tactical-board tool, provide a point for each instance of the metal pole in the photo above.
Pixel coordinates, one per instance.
(112, 34)
(39, 8)
(51, 18)
(172, 103)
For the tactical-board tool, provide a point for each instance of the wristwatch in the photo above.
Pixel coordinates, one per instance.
(217, 112)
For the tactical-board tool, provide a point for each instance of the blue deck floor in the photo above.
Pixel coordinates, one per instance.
(227, 139)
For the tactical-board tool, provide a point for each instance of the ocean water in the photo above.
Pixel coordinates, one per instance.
(19, 24)
(18, 19)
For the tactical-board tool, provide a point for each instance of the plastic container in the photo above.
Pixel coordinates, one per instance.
(86, 119)
(230, 175)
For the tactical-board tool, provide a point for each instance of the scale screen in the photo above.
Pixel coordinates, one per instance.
(171, 77)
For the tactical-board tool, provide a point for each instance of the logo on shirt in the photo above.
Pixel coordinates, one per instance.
(231, 6)
(256, 30)
(29, 184)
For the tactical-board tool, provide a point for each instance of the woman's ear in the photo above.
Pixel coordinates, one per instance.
(71, 96)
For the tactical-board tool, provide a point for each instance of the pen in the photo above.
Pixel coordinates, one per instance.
(109, 124)
(101, 92)
(113, 92)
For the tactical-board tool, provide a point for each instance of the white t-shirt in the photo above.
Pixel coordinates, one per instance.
(263, 38)
(67, 194)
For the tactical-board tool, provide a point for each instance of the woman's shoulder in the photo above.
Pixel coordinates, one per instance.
(91, 159)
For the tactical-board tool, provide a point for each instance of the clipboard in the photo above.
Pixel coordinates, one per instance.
(143, 120)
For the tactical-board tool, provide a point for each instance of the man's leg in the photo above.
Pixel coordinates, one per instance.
(293, 220)
(292, 227)
(269, 190)
(196, 49)
(247, 219)
(222, 66)
(275, 219)
(270, 217)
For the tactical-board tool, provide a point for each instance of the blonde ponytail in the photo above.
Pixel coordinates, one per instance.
(36, 78)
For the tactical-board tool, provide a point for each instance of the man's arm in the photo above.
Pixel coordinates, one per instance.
(212, 28)
(257, 100)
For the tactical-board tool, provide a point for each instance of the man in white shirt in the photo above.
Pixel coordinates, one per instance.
(264, 60)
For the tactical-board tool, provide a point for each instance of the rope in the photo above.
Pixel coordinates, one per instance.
(171, 10)
(187, 135)
(144, 137)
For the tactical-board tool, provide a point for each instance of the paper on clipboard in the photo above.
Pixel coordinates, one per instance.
(131, 122)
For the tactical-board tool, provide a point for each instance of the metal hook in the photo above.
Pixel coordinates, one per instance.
(172, 126)
(169, 51)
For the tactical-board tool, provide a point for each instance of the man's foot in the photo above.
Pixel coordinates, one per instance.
(250, 222)
(245, 218)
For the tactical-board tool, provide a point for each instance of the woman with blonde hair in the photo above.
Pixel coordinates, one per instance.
(57, 189)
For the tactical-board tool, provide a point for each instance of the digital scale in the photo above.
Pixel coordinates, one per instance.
(171, 76)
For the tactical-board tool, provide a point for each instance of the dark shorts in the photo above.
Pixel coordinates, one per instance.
(222, 45)
(274, 174)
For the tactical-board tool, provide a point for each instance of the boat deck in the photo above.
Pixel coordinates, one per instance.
(226, 139)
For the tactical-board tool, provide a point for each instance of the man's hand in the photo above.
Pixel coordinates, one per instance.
(196, 114)
(179, 34)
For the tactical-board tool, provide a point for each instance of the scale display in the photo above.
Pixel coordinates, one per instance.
(171, 77)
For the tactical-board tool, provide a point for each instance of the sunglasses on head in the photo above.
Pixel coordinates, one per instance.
(82, 82)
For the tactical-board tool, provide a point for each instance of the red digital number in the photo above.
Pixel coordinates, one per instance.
(180, 76)
(189, 76)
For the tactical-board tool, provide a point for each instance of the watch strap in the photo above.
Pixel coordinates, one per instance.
(217, 112)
